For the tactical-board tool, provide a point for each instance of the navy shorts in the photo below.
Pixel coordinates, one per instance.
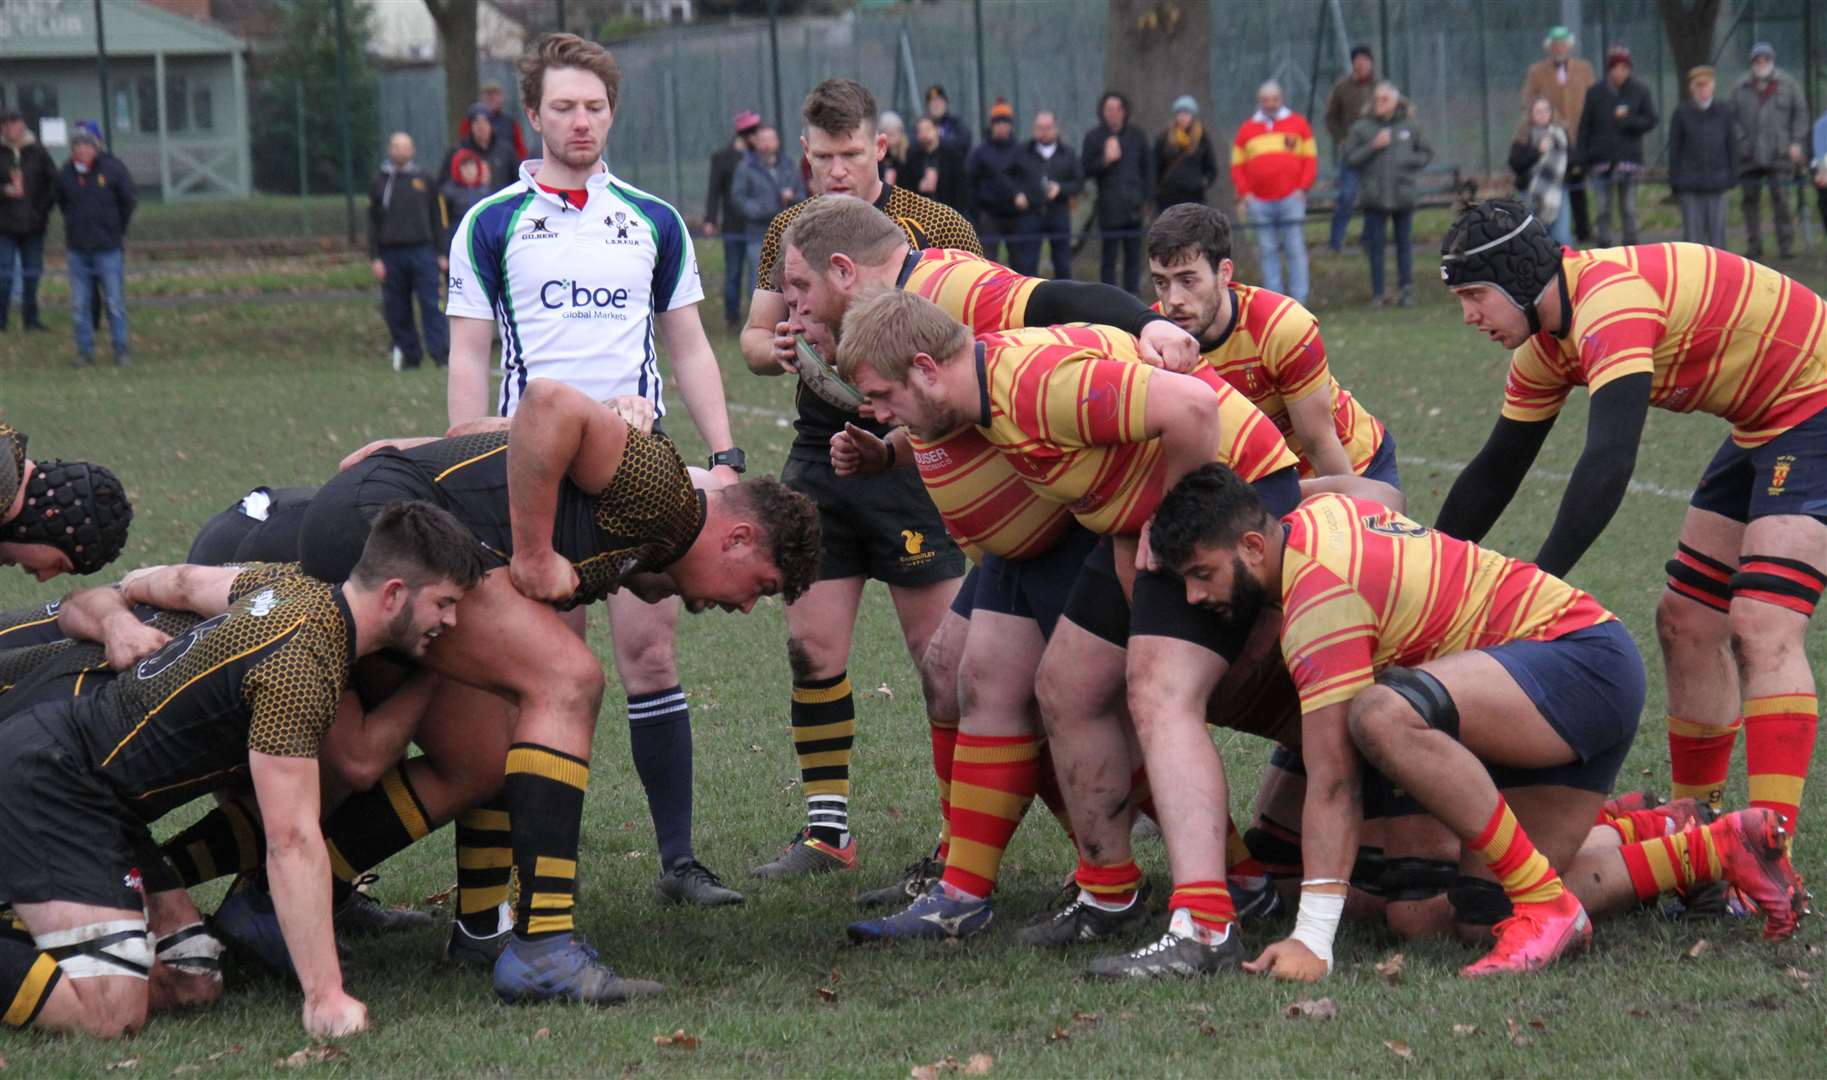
(1787, 475)
(1382, 464)
(1034, 588)
(1588, 685)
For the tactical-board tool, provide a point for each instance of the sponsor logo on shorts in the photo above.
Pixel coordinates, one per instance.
(134, 880)
(913, 542)
(1779, 474)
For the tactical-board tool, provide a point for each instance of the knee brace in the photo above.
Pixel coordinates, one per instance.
(117, 948)
(1787, 583)
(1426, 695)
(1368, 870)
(1410, 879)
(1704, 580)
(1477, 902)
(190, 950)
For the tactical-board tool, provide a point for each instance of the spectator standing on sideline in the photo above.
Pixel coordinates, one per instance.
(1387, 147)
(406, 224)
(28, 190)
(483, 141)
(1350, 99)
(1702, 160)
(1273, 163)
(1563, 79)
(894, 163)
(952, 131)
(1004, 193)
(96, 195)
(495, 102)
(1772, 120)
(935, 168)
(1185, 165)
(466, 186)
(1062, 177)
(1538, 158)
(720, 214)
(1619, 111)
(766, 183)
(1819, 166)
(1116, 156)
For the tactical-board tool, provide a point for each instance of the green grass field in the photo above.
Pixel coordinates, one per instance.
(227, 394)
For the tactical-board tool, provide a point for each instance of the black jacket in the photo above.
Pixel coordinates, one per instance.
(1187, 177)
(718, 209)
(997, 172)
(404, 209)
(96, 205)
(954, 191)
(30, 214)
(1701, 152)
(1123, 188)
(1604, 137)
(1063, 168)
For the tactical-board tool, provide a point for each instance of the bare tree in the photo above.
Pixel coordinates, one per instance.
(456, 21)
(1154, 51)
(1689, 25)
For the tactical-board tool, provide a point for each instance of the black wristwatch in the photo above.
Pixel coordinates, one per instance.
(734, 458)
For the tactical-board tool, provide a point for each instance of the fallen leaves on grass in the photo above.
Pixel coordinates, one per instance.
(679, 1039)
(226, 1052)
(1802, 979)
(886, 691)
(1465, 1030)
(1306, 1009)
(311, 1055)
(1400, 1049)
(1084, 1018)
(542, 1033)
(1058, 1034)
(439, 899)
(975, 1065)
(1695, 950)
(828, 995)
(123, 1065)
(1517, 1038)
(1391, 969)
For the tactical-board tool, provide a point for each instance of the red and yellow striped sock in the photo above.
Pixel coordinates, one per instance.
(1239, 863)
(1638, 825)
(1047, 787)
(1505, 847)
(1208, 902)
(945, 744)
(1699, 759)
(1666, 863)
(1779, 741)
(1111, 886)
(993, 781)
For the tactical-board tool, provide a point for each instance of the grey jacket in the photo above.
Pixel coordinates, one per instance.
(1768, 117)
(1388, 174)
(755, 192)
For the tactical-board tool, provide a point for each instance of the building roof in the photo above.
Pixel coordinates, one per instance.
(65, 29)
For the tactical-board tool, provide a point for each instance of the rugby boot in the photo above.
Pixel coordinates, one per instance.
(361, 915)
(913, 883)
(1080, 922)
(1255, 898)
(1754, 850)
(480, 952)
(1534, 936)
(563, 968)
(691, 882)
(934, 917)
(1176, 952)
(247, 923)
(806, 856)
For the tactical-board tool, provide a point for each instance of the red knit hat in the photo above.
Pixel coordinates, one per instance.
(1618, 54)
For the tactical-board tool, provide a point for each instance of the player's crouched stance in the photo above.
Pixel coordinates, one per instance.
(1441, 663)
(249, 694)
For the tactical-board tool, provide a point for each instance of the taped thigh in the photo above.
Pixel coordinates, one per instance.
(116, 948)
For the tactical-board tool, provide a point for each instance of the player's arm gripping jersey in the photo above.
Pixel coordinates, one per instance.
(1717, 333)
(1364, 588)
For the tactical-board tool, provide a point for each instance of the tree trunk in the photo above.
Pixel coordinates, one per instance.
(456, 21)
(1156, 50)
(1689, 25)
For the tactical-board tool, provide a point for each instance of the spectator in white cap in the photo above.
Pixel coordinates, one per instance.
(1185, 165)
(1772, 127)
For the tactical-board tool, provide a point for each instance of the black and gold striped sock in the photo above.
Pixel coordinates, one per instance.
(27, 978)
(544, 797)
(371, 825)
(227, 840)
(485, 866)
(824, 728)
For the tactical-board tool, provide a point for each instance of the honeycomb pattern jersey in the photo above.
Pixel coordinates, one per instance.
(928, 224)
(21, 627)
(12, 464)
(263, 676)
(643, 521)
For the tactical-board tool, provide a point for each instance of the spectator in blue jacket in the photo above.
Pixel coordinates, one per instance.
(1004, 193)
(96, 195)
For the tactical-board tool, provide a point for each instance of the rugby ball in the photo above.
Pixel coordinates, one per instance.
(822, 379)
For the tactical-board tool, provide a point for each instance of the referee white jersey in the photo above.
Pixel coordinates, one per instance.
(573, 292)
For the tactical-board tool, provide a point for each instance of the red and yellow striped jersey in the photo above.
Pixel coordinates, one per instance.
(983, 295)
(1717, 333)
(1364, 588)
(1273, 352)
(1067, 406)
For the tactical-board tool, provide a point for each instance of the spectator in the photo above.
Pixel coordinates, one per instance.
(405, 225)
(1062, 177)
(1273, 163)
(503, 122)
(28, 190)
(1563, 79)
(1116, 155)
(952, 132)
(1702, 160)
(1350, 99)
(96, 194)
(1538, 158)
(466, 186)
(1617, 114)
(1389, 151)
(1772, 124)
(767, 182)
(1819, 166)
(894, 163)
(496, 153)
(720, 213)
(1184, 163)
(1004, 192)
(936, 168)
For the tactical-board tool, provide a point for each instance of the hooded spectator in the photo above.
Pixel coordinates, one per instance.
(466, 186)
(1004, 192)
(1618, 112)
(28, 190)
(495, 151)
(495, 101)
(1117, 156)
(1772, 120)
(1563, 79)
(1185, 165)
(1350, 99)
(1062, 177)
(1702, 159)
(1538, 158)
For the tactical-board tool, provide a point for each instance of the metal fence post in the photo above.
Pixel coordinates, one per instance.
(304, 170)
(774, 56)
(101, 58)
(671, 109)
(342, 115)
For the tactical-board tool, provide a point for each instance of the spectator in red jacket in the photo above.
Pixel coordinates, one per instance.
(1273, 163)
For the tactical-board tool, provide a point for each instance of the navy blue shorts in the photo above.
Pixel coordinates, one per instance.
(1034, 588)
(1787, 475)
(1588, 685)
(1382, 464)
(1279, 491)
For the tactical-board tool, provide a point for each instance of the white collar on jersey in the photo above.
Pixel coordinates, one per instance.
(530, 168)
